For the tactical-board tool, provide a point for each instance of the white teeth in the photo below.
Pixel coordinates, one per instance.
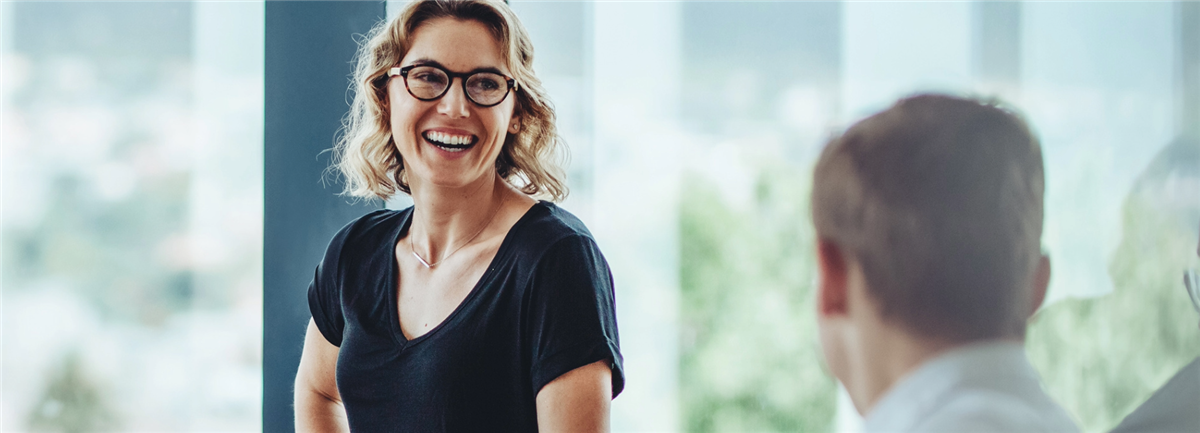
(444, 138)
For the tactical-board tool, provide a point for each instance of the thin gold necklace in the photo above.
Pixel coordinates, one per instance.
(428, 265)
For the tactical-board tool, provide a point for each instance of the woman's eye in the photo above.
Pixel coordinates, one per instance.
(486, 84)
(429, 77)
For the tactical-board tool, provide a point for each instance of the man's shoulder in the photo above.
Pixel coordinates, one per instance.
(986, 386)
(984, 410)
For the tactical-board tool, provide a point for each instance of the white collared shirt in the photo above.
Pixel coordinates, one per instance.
(977, 388)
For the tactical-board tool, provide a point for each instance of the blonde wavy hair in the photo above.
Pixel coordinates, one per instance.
(366, 155)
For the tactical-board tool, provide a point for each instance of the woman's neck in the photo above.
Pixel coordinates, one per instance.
(445, 218)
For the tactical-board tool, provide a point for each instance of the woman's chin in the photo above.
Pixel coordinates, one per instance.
(451, 168)
(453, 177)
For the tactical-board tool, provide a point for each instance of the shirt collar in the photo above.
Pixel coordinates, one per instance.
(917, 394)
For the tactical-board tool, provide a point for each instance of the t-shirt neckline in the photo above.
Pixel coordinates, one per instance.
(453, 317)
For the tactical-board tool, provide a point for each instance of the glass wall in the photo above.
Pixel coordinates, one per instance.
(1101, 82)
(700, 122)
(132, 196)
(132, 216)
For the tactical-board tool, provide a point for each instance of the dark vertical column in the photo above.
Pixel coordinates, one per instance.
(308, 53)
(997, 45)
(1188, 69)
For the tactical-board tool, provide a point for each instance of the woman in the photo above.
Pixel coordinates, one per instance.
(479, 308)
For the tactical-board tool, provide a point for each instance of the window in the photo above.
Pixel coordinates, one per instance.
(132, 224)
(705, 119)
(142, 232)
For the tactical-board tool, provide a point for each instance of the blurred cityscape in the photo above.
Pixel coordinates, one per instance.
(132, 223)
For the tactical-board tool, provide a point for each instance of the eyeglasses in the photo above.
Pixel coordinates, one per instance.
(428, 83)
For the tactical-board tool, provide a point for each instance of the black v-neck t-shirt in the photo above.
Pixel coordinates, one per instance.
(543, 307)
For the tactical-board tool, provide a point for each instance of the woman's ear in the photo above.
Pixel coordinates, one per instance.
(514, 125)
(383, 91)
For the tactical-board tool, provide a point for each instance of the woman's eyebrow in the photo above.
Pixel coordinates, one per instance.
(425, 61)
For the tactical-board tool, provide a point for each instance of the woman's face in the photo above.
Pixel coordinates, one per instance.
(450, 141)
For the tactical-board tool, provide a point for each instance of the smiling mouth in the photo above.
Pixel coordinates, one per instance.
(449, 142)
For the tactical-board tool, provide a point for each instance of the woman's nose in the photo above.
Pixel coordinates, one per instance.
(454, 102)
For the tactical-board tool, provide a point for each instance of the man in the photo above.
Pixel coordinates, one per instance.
(929, 219)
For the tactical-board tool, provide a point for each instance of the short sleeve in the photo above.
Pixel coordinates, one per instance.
(324, 293)
(572, 319)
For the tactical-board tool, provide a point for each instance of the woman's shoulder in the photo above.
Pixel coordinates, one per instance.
(364, 240)
(546, 224)
(371, 228)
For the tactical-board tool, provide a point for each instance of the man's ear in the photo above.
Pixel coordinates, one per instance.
(833, 275)
(1041, 281)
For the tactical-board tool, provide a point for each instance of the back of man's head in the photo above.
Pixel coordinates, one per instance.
(939, 199)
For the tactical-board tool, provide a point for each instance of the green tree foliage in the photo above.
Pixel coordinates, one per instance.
(1102, 357)
(71, 402)
(750, 355)
(751, 361)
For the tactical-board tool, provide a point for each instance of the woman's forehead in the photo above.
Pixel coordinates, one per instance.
(458, 45)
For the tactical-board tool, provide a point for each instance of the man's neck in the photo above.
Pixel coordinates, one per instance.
(892, 355)
(889, 356)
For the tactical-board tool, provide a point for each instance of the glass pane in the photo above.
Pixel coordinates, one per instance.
(132, 231)
(1122, 203)
(693, 127)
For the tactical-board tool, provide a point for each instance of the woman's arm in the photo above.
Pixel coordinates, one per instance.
(318, 404)
(577, 401)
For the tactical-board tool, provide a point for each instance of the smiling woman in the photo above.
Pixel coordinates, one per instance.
(480, 307)
(367, 154)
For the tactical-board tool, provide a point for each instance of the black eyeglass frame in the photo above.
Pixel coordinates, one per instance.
(403, 72)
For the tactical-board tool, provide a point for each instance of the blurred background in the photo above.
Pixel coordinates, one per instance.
(132, 216)
(133, 199)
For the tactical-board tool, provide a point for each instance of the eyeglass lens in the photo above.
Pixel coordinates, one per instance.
(483, 88)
